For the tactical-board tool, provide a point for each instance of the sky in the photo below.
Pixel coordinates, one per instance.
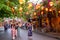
(35, 1)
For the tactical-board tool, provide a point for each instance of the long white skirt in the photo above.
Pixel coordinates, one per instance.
(13, 33)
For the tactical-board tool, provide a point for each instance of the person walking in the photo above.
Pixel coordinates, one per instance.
(13, 31)
(16, 28)
(5, 26)
(29, 29)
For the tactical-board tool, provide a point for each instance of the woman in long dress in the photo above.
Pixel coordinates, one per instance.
(29, 29)
(13, 31)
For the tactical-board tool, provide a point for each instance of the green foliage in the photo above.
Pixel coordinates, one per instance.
(16, 2)
(5, 8)
(1, 20)
(5, 11)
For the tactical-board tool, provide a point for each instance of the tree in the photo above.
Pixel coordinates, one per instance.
(5, 11)
(5, 7)
(27, 9)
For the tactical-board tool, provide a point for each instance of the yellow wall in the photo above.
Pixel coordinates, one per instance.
(55, 23)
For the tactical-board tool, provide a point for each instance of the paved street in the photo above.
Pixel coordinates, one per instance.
(22, 35)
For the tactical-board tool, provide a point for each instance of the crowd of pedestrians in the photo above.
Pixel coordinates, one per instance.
(14, 25)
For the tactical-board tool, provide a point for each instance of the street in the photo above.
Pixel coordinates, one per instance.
(23, 35)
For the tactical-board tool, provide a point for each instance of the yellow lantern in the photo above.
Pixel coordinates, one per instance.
(30, 5)
(42, 12)
(50, 9)
(58, 11)
(51, 3)
(34, 13)
(42, 7)
(21, 1)
(37, 6)
(46, 9)
(20, 9)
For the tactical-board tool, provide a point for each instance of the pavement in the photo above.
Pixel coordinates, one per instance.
(49, 34)
(23, 35)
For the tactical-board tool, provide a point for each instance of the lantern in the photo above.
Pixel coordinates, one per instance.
(30, 5)
(51, 3)
(50, 9)
(20, 9)
(34, 13)
(42, 7)
(42, 12)
(58, 11)
(37, 6)
(21, 1)
(46, 9)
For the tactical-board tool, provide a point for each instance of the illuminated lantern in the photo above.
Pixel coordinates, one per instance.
(42, 12)
(21, 1)
(30, 5)
(50, 9)
(34, 13)
(51, 3)
(20, 9)
(42, 7)
(58, 11)
(37, 6)
(46, 9)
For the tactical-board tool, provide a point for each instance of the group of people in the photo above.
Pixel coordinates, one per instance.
(13, 25)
